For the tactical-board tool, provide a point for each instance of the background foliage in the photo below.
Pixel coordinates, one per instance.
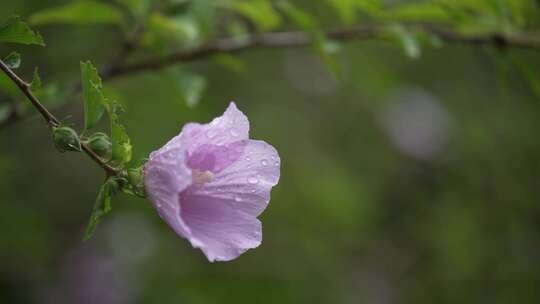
(409, 164)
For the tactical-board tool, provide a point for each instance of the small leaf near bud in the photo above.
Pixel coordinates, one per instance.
(101, 144)
(66, 139)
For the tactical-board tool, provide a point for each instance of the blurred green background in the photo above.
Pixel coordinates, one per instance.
(406, 181)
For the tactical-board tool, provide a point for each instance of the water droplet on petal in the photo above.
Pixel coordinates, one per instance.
(264, 162)
(276, 164)
(248, 158)
(252, 191)
(273, 157)
(233, 132)
(252, 180)
(237, 199)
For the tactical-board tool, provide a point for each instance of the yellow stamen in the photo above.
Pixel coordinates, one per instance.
(201, 177)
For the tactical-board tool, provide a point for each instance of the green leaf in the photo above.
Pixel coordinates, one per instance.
(420, 12)
(193, 89)
(79, 12)
(94, 100)
(165, 31)
(347, 10)
(260, 12)
(408, 40)
(230, 62)
(298, 16)
(15, 31)
(139, 8)
(121, 143)
(102, 206)
(13, 60)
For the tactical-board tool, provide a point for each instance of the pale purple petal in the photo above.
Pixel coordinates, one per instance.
(219, 230)
(215, 158)
(166, 176)
(246, 183)
(232, 126)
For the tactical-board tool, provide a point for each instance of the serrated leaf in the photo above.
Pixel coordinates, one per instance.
(13, 60)
(79, 12)
(102, 206)
(16, 31)
(94, 100)
(121, 143)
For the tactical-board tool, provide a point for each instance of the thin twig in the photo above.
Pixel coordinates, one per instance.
(294, 40)
(302, 39)
(51, 120)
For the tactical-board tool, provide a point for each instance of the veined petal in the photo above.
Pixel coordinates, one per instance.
(232, 126)
(219, 230)
(246, 184)
(166, 176)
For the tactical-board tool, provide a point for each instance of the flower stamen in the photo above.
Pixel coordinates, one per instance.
(201, 177)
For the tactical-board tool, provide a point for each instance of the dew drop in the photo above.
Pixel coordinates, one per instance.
(276, 164)
(253, 180)
(264, 162)
(252, 191)
(237, 199)
(248, 158)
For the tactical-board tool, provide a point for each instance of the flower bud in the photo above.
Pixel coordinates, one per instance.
(136, 179)
(66, 139)
(100, 143)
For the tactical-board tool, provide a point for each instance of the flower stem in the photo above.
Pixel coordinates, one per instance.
(51, 120)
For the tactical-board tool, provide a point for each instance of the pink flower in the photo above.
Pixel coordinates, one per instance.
(211, 182)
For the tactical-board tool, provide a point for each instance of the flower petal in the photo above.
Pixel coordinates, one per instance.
(246, 184)
(220, 231)
(232, 126)
(166, 176)
(215, 158)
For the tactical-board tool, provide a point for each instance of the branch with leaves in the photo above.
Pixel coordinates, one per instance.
(175, 32)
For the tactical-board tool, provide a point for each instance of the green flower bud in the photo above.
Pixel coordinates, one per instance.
(100, 143)
(66, 139)
(136, 179)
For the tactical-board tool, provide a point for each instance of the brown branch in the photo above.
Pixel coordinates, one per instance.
(302, 39)
(294, 40)
(51, 120)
